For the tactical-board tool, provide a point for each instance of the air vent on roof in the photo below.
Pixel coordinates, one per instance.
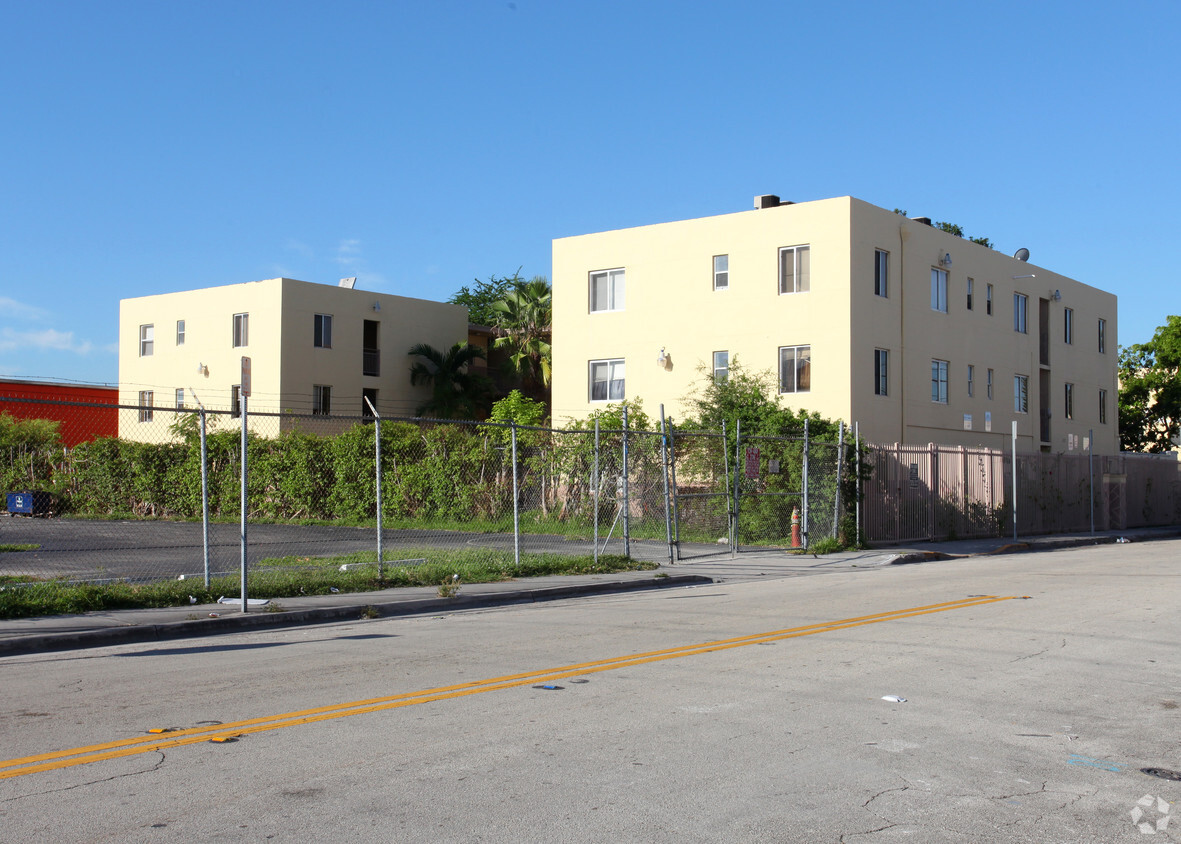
(926, 221)
(767, 200)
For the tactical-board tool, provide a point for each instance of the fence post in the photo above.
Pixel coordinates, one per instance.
(857, 483)
(595, 491)
(516, 499)
(245, 470)
(804, 467)
(836, 511)
(668, 528)
(1091, 473)
(737, 488)
(377, 477)
(204, 496)
(627, 539)
(729, 500)
(676, 503)
(1014, 480)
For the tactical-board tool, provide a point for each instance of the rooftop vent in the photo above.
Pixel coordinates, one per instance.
(767, 200)
(1021, 254)
(926, 221)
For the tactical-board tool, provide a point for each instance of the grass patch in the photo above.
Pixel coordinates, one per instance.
(286, 577)
(5, 547)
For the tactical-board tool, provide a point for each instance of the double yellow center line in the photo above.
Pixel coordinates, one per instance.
(221, 732)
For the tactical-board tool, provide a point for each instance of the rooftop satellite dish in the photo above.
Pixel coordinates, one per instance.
(1021, 254)
(348, 282)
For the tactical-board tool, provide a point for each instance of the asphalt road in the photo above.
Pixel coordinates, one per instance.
(80, 549)
(1037, 687)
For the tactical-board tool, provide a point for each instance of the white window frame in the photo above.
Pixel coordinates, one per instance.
(180, 398)
(990, 385)
(1068, 400)
(616, 281)
(721, 366)
(938, 290)
(180, 332)
(971, 285)
(1102, 336)
(971, 381)
(611, 367)
(1020, 313)
(145, 405)
(321, 399)
(147, 340)
(322, 331)
(881, 372)
(241, 330)
(721, 272)
(1021, 394)
(881, 273)
(235, 401)
(1103, 407)
(800, 258)
(798, 361)
(988, 300)
(939, 376)
(1068, 326)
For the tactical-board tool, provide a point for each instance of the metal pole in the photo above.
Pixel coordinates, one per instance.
(729, 499)
(595, 490)
(1014, 480)
(672, 476)
(377, 477)
(836, 513)
(857, 465)
(668, 526)
(804, 515)
(627, 539)
(205, 497)
(738, 469)
(243, 399)
(1091, 472)
(516, 500)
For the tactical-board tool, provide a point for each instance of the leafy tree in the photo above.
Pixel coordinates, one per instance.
(1150, 391)
(456, 391)
(480, 298)
(516, 407)
(523, 320)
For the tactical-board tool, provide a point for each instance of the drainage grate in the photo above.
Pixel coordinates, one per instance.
(1163, 773)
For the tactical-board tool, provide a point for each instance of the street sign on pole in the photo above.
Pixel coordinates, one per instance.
(245, 376)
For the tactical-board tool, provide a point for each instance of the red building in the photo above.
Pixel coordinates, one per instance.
(78, 407)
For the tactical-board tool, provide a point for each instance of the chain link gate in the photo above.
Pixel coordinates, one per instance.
(701, 488)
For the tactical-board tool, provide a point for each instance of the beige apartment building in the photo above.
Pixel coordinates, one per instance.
(314, 349)
(860, 313)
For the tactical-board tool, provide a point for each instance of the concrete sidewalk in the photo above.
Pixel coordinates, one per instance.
(97, 629)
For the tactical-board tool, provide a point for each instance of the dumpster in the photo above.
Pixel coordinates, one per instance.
(29, 503)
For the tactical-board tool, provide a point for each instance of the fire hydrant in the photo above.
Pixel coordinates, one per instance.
(795, 528)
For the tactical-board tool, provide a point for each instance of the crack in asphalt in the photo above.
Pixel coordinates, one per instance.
(159, 763)
(1039, 653)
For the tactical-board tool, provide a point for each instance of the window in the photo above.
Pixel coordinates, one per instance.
(241, 329)
(180, 332)
(1020, 313)
(795, 369)
(322, 331)
(971, 284)
(1069, 401)
(795, 269)
(939, 381)
(721, 272)
(606, 290)
(236, 401)
(721, 366)
(1021, 393)
(368, 397)
(988, 300)
(971, 380)
(881, 371)
(1068, 326)
(1102, 337)
(321, 399)
(990, 385)
(147, 334)
(938, 290)
(1103, 407)
(370, 353)
(606, 380)
(145, 405)
(180, 398)
(881, 273)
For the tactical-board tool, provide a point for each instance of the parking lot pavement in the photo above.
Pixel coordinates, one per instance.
(29, 635)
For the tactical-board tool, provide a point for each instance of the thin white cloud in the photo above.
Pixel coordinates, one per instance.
(299, 247)
(348, 253)
(19, 310)
(47, 340)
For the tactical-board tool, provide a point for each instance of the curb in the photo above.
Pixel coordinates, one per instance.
(1030, 547)
(136, 634)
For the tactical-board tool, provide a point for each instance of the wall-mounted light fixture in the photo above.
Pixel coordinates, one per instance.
(1057, 295)
(945, 261)
(663, 359)
(377, 306)
(202, 369)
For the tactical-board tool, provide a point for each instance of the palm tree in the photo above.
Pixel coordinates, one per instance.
(524, 323)
(456, 391)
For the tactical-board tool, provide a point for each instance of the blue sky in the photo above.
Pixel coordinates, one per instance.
(154, 147)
